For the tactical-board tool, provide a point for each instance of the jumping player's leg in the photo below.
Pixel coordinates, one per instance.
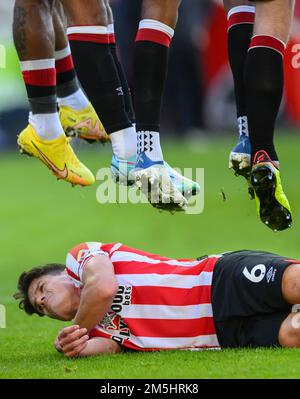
(264, 71)
(97, 72)
(34, 41)
(44, 137)
(121, 169)
(68, 90)
(240, 16)
(264, 80)
(156, 30)
(121, 72)
(76, 113)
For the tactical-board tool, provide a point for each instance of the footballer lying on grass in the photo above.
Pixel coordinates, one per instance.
(122, 298)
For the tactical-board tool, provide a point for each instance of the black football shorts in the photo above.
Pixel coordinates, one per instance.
(247, 301)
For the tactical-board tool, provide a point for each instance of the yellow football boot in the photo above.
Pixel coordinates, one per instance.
(84, 124)
(57, 155)
(272, 204)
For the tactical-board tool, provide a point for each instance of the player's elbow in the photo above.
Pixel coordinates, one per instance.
(109, 291)
(101, 288)
(104, 291)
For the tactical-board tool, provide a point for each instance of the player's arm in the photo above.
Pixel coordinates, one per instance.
(99, 289)
(74, 342)
(97, 346)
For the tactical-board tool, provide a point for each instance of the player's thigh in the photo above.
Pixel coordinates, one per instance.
(246, 283)
(274, 18)
(164, 11)
(229, 4)
(289, 333)
(257, 330)
(87, 12)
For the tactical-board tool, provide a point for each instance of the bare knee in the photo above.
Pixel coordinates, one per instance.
(164, 11)
(274, 18)
(289, 333)
(88, 12)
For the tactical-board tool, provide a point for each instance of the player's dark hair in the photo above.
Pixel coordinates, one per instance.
(26, 279)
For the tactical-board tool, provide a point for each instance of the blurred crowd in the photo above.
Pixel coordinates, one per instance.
(199, 90)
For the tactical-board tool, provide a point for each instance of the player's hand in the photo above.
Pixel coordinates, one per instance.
(57, 344)
(72, 340)
(57, 341)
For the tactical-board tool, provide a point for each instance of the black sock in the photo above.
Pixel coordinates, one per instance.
(98, 75)
(124, 83)
(239, 38)
(264, 80)
(150, 71)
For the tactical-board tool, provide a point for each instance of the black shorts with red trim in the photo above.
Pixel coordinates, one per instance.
(247, 301)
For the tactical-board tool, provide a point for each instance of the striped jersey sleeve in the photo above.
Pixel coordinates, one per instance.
(78, 257)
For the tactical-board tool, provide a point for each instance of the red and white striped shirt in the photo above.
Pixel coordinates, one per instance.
(161, 303)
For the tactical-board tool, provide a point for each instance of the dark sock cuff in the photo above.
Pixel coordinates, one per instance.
(43, 105)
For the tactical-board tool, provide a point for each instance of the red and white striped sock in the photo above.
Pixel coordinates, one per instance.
(111, 34)
(154, 31)
(68, 90)
(40, 80)
(270, 42)
(241, 15)
(96, 70)
(90, 33)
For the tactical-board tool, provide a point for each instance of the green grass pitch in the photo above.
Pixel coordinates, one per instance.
(42, 218)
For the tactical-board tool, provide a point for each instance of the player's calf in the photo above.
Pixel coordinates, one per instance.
(77, 115)
(97, 71)
(240, 21)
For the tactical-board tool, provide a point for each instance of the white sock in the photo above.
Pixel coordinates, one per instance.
(243, 126)
(77, 100)
(124, 143)
(46, 126)
(149, 143)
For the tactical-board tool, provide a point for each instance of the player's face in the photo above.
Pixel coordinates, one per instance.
(54, 296)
